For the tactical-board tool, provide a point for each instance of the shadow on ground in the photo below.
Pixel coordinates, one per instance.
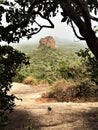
(23, 120)
(91, 119)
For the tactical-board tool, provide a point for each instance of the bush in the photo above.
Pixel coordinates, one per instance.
(90, 63)
(18, 78)
(72, 71)
(11, 62)
(86, 89)
(30, 80)
(43, 83)
(59, 89)
(44, 64)
(66, 91)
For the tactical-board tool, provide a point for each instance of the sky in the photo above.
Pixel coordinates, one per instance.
(61, 30)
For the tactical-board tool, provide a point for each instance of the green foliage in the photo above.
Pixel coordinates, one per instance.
(18, 77)
(44, 64)
(86, 89)
(11, 61)
(63, 68)
(50, 64)
(71, 70)
(22, 15)
(85, 76)
(90, 63)
(86, 66)
(74, 72)
(73, 91)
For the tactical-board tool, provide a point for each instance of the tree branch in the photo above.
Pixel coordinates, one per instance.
(69, 10)
(84, 8)
(81, 38)
(26, 19)
(42, 26)
(94, 18)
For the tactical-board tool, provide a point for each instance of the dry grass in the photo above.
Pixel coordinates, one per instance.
(60, 89)
(30, 80)
(63, 90)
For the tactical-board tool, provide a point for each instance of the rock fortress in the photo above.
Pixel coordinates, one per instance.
(47, 41)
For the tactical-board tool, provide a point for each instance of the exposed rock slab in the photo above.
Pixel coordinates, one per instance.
(47, 41)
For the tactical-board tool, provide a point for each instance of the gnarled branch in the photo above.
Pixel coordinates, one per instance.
(42, 26)
(84, 8)
(81, 38)
(94, 18)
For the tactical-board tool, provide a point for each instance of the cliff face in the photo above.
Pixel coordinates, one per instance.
(47, 41)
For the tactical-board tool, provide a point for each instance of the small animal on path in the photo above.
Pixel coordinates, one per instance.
(49, 109)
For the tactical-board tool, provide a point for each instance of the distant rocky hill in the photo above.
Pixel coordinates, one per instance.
(47, 41)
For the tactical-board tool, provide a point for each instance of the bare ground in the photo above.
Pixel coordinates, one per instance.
(32, 115)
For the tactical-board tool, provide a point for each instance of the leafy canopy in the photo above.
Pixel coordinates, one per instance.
(11, 61)
(21, 16)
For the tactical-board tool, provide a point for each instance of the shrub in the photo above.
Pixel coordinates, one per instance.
(43, 83)
(86, 89)
(18, 78)
(72, 71)
(66, 91)
(59, 89)
(44, 64)
(11, 62)
(90, 63)
(30, 80)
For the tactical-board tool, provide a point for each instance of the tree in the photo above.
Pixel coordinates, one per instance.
(21, 18)
(11, 61)
(90, 64)
(21, 21)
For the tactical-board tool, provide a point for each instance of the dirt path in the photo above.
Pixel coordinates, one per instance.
(27, 93)
(31, 115)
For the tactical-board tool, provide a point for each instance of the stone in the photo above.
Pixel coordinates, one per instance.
(47, 41)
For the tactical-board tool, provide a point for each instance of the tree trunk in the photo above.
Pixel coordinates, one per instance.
(92, 43)
(91, 39)
(85, 28)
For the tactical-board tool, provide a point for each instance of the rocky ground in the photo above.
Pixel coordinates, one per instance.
(33, 114)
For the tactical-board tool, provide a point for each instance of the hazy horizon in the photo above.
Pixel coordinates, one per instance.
(61, 31)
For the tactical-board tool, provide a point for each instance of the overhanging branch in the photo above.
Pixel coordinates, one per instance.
(81, 38)
(94, 18)
(42, 26)
(25, 21)
(84, 10)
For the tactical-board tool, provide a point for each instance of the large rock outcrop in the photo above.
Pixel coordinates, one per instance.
(47, 41)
